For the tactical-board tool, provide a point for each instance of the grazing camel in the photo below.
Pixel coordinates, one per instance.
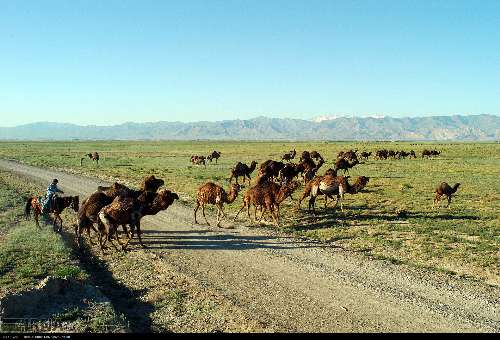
(429, 153)
(214, 155)
(444, 189)
(210, 193)
(94, 156)
(242, 170)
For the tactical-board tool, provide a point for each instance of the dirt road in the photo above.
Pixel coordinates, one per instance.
(290, 284)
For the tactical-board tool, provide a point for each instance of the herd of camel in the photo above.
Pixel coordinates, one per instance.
(117, 205)
(276, 181)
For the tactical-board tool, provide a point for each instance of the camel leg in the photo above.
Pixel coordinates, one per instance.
(273, 214)
(437, 199)
(88, 233)
(312, 200)
(222, 210)
(139, 233)
(195, 210)
(248, 211)
(219, 214)
(243, 207)
(449, 201)
(35, 215)
(61, 224)
(203, 211)
(263, 211)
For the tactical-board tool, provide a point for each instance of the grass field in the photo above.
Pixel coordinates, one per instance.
(464, 239)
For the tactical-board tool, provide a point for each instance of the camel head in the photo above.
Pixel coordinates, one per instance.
(161, 201)
(151, 183)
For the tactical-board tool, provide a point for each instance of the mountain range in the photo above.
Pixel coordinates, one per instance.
(461, 128)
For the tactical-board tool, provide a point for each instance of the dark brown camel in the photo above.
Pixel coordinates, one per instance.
(242, 170)
(214, 155)
(128, 210)
(94, 156)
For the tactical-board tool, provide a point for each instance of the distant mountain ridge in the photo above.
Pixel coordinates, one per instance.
(461, 128)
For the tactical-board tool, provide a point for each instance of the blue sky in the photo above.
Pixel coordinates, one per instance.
(104, 62)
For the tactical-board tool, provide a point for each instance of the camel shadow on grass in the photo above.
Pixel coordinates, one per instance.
(332, 218)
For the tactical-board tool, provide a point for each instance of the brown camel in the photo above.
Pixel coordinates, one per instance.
(89, 210)
(94, 156)
(268, 197)
(210, 193)
(334, 185)
(129, 210)
(344, 164)
(214, 155)
(444, 189)
(198, 160)
(242, 170)
(90, 207)
(289, 156)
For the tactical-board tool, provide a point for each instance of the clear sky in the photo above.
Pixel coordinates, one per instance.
(105, 62)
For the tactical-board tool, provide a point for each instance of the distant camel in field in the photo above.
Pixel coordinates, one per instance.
(214, 155)
(444, 189)
(289, 156)
(93, 156)
(242, 170)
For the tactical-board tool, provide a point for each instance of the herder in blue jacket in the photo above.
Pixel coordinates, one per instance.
(52, 189)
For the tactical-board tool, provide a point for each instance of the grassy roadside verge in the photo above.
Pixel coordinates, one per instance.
(29, 255)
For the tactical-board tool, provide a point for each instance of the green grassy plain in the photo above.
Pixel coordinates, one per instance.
(464, 239)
